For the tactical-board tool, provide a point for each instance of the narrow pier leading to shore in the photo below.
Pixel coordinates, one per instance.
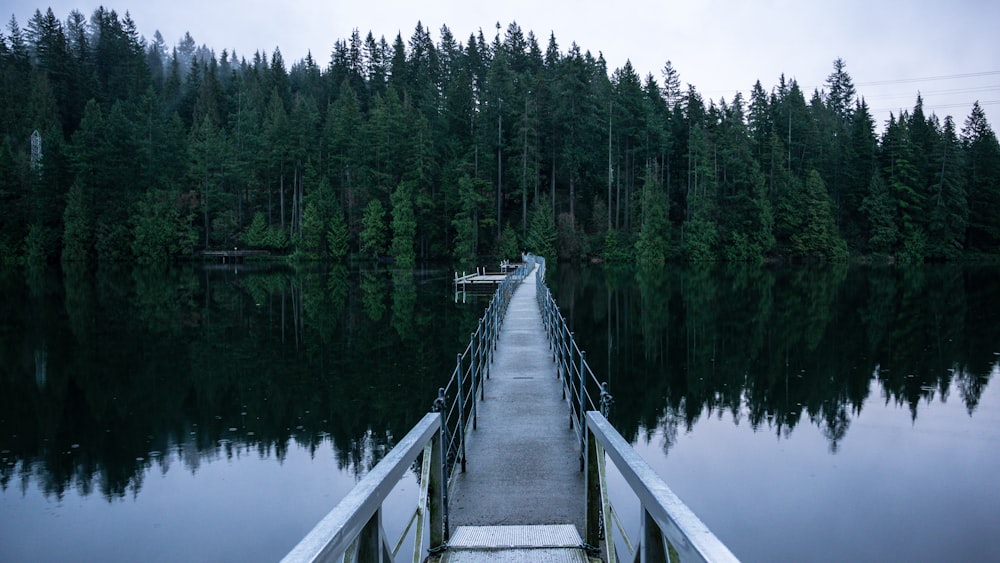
(523, 460)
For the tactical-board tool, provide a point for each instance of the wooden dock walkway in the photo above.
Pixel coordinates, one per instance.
(519, 493)
(523, 463)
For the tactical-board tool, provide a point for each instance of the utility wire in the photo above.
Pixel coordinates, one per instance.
(994, 88)
(929, 78)
(934, 107)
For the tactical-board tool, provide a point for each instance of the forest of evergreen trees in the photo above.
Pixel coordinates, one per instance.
(422, 151)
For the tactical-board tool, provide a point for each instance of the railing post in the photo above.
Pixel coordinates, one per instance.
(592, 492)
(566, 351)
(488, 345)
(556, 329)
(560, 359)
(583, 394)
(651, 541)
(496, 323)
(481, 357)
(473, 368)
(461, 410)
(371, 543)
(438, 490)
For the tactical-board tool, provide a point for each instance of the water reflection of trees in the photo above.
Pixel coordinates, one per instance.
(145, 369)
(776, 345)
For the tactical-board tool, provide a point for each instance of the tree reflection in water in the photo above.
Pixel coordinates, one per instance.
(112, 374)
(776, 345)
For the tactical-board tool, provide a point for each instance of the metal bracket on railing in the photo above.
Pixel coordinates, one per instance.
(439, 403)
(606, 400)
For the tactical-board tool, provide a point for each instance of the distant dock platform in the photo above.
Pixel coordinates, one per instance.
(482, 280)
(234, 255)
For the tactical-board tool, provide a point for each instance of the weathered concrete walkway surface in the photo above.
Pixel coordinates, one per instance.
(523, 461)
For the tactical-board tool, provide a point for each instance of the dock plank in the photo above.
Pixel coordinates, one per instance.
(523, 460)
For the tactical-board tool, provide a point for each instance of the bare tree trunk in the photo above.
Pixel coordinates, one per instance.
(499, 170)
(524, 172)
(553, 182)
(572, 195)
(610, 167)
(205, 208)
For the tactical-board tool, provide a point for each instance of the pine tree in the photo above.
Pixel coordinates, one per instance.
(817, 235)
(982, 157)
(949, 208)
(903, 180)
(78, 228)
(255, 235)
(509, 249)
(840, 96)
(542, 234)
(311, 243)
(880, 215)
(404, 226)
(162, 228)
(652, 246)
(699, 233)
(373, 235)
(337, 235)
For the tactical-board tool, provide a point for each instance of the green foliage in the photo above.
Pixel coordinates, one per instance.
(114, 243)
(652, 246)
(256, 235)
(259, 236)
(78, 229)
(121, 120)
(311, 245)
(337, 236)
(982, 177)
(569, 239)
(465, 222)
(877, 208)
(542, 235)
(276, 239)
(615, 251)
(914, 247)
(817, 233)
(404, 226)
(465, 239)
(373, 230)
(509, 247)
(699, 239)
(39, 245)
(162, 228)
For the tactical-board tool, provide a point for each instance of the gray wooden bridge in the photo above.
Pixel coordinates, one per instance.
(517, 476)
(513, 459)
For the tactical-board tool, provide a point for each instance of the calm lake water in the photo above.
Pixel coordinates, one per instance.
(804, 413)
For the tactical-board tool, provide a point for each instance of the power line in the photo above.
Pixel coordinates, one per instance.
(929, 78)
(994, 88)
(887, 82)
(939, 106)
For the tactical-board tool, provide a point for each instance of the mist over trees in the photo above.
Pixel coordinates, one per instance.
(471, 147)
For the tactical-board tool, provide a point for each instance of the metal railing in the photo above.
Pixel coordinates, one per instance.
(353, 530)
(580, 387)
(669, 529)
(457, 399)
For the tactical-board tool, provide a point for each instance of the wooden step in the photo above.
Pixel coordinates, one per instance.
(496, 544)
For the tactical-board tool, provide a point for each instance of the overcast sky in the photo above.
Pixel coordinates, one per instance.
(949, 51)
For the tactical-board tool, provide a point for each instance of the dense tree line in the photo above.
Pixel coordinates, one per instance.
(419, 150)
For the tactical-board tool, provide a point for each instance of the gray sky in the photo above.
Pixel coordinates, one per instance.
(949, 51)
